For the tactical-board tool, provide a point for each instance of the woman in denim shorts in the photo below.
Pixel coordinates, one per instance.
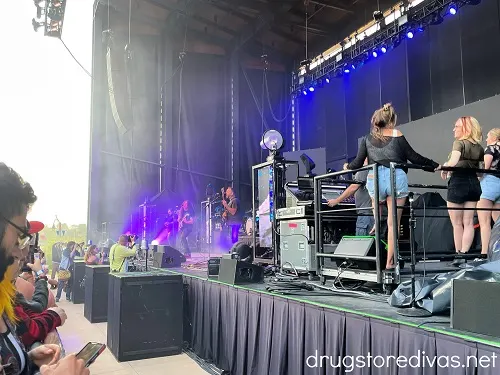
(490, 187)
(383, 146)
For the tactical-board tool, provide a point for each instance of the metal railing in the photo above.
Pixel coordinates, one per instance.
(366, 275)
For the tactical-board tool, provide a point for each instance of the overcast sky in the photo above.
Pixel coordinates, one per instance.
(45, 109)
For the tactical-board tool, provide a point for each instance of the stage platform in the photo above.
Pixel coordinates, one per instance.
(247, 330)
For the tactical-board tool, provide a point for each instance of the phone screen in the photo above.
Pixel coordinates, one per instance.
(90, 352)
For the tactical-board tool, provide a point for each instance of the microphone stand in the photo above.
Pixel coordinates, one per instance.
(413, 310)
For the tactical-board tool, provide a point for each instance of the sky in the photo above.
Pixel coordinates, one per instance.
(45, 109)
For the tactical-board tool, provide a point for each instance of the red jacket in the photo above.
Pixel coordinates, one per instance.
(34, 327)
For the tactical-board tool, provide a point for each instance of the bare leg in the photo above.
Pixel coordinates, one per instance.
(468, 220)
(485, 223)
(391, 241)
(495, 214)
(456, 217)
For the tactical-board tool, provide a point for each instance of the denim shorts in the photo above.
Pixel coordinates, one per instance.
(384, 183)
(364, 225)
(490, 186)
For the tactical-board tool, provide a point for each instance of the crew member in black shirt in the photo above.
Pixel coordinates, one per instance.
(232, 213)
(186, 222)
(384, 145)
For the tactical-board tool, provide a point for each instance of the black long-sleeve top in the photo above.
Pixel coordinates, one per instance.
(384, 152)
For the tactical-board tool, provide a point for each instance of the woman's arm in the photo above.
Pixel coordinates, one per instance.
(414, 156)
(360, 158)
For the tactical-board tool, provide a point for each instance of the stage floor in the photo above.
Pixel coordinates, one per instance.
(359, 305)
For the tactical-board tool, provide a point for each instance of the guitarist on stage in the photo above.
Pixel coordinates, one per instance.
(186, 222)
(232, 214)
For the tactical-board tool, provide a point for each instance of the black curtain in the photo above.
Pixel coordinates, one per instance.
(264, 104)
(446, 66)
(125, 130)
(200, 138)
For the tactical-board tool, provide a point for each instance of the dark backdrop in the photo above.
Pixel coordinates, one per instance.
(444, 67)
(124, 170)
(256, 98)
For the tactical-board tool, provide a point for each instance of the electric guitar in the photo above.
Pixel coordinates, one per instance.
(185, 217)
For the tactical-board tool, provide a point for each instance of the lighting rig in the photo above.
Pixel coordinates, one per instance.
(386, 32)
(50, 17)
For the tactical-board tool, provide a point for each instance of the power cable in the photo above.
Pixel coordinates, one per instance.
(74, 58)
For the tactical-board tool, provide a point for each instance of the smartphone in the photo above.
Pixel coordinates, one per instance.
(90, 352)
(36, 256)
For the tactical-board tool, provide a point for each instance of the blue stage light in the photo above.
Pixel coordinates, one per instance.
(383, 49)
(353, 66)
(311, 89)
(375, 54)
(346, 70)
(409, 34)
(452, 9)
(327, 80)
(304, 92)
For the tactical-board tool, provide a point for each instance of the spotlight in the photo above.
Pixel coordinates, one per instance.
(452, 9)
(272, 140)
(378, 16)
(327, 80)
(383, 49)
(311, 89)
(36, 24)
(346, 70)
(304, 92)
(353, 67)
(374, 53)
(409, 34)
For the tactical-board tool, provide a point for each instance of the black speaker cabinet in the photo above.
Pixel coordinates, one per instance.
(232, 271)
(475, 307)
(145, 315)
(96, 294)
(78, 286)
(168, 257)
(359, 253)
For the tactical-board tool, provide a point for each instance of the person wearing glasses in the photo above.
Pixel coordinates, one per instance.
(464, 189)
(16, 196)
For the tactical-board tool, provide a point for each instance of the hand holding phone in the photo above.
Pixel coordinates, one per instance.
(90, 352)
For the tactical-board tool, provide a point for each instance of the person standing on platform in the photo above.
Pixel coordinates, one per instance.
(490, 186)
(232, 213)
(120, 252)
(186, 223)
(464, 189)
(386, 144)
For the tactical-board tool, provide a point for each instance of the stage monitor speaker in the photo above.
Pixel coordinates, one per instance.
(168, 257)
(96, 293)
(213, 267)
(354, 249)
(78, 286)
(233, 271)
(145, 315)
(475, 307)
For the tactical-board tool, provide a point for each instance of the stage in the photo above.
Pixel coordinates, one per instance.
(247, 330)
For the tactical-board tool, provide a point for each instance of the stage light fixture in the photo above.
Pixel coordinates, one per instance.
(409, 34)
(304, 92)
(311, 89)
(347, 71)
(383, 49)
(378, 16)
(272, 140)
(327, 80)
(452, 9)
(374, 53)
